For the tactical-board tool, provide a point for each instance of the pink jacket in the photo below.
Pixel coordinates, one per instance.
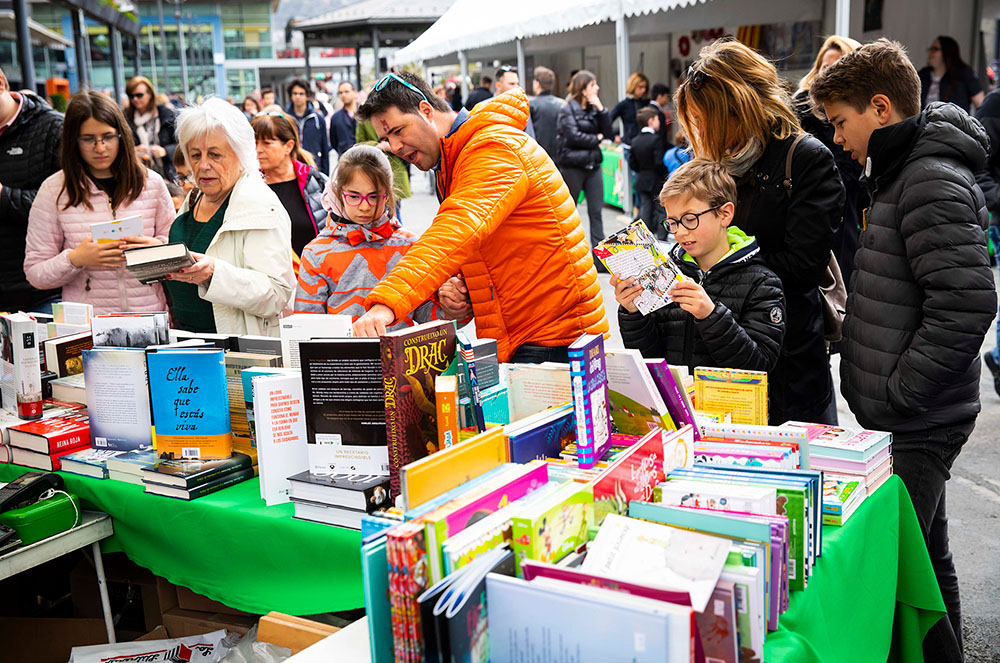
(53, 232)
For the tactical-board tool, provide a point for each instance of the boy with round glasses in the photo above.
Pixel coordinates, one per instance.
(730, 312)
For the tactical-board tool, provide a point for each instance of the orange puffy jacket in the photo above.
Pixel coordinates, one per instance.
(508, 224)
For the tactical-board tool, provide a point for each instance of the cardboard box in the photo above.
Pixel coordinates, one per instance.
(180, 623)
(173, 596)
(43, 640)
(132, 591)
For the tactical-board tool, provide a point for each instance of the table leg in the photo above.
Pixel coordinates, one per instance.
(102, 586)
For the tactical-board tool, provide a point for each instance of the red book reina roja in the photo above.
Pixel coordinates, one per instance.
(52, 435)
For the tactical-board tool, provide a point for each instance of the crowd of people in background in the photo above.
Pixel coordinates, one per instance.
(766, 189)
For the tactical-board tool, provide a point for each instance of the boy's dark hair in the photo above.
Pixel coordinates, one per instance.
(403, 98)
(484, 81)
(644, 115)
(658, 90)
(880, 67)
(546, 78)
(266, 90)
(297, 82)
(179, 158)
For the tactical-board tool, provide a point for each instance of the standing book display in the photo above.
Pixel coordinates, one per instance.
(590, 398)
(118, 398)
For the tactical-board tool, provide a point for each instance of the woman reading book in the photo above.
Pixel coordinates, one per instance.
(235, 228)
(102, 179)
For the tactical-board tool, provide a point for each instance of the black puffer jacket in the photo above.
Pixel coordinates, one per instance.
(795, 234)
(988, 179)
(744, 330)
(923, 296)
(577, 144)
(29, 153)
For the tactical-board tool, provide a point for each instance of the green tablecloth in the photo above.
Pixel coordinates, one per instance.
(873, 594)
(229, 546)
(613, 173)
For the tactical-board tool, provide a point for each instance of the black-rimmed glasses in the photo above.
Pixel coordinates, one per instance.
(689, 220)
(393, 77)
(90, 142)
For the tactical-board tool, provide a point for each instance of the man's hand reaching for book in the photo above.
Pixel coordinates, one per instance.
(375, 322)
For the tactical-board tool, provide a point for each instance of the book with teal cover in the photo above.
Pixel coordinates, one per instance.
(589, 382)
(190, 400)
(375, 578)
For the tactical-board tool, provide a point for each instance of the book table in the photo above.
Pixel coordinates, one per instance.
(93, 528)
(872, 596)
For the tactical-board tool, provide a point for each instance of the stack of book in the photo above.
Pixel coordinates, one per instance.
(89, 462)
(191, 479)
(855, 463)
(128, 466)
(338, 499)
(42, 443)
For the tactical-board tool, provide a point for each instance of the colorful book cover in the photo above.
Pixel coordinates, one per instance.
(190, 403)
(633, 253)
(678, 404)
(556, 526)
(545, 435)
(635, 403)
(344, 406)
(839, 496)
(375, 578)
(52, 435)
(20, 366)
(843, 443)
(446, 400)
(590, 398)
(468, 356)
(64, 354)
(637, 471)
(411, 361)
(118, 398)
(740, 392)
(425, 479)
(455, 517)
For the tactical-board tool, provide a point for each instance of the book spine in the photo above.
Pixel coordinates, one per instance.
(394, 431)
(27, 372)
(581, 410)
(192, 482)
(226, 481)
(447, 417)
(672, 396)
(69, 439)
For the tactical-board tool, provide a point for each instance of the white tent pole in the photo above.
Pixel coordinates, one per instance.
(463, 69)
(842, 22)
(622, 56)
(522, 75)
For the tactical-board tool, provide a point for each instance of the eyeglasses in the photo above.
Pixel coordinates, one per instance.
(137, 95)
(689, 220)
(373, 199)
(393, 77)
(695, 78)
(181, 181)
(90, 142)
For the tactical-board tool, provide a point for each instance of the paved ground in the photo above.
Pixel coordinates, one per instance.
(973, 492)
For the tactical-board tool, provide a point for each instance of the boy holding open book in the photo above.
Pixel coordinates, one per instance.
(730, 312)
(922, 295)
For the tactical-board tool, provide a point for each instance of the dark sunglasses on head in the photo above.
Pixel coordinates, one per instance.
(695, 78)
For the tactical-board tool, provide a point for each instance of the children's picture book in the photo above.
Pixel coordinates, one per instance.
(115, 229)
(637, 471)
(118, 398)
(543, 435)
(853, 444)
(20, 366)
(675, 396)
(411, 361)
(740, 392)
(190, 403)
(344, 406)
(555, 526)
(633, 253)
(642, 551)
(590, 398)
(634, 401)
(425, 479)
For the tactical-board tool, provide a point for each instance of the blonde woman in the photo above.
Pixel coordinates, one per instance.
(734, 111)
(845, 237)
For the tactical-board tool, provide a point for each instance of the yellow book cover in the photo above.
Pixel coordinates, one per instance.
(425, 479)
(739, 392)
(446, 400)
(235, 363)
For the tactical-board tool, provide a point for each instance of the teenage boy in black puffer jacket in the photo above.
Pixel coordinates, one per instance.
(922, 295)
(731, 313)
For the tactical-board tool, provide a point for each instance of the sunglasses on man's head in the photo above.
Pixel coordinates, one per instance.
(393, 77)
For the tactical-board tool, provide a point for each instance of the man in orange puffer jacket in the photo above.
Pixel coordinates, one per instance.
(506, 223)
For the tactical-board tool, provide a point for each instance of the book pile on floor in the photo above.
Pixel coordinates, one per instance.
(855, 463)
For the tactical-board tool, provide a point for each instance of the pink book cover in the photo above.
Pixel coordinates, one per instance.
(849, 466)
(498, 498)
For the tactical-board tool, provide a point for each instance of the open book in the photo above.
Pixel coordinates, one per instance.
(633, 253)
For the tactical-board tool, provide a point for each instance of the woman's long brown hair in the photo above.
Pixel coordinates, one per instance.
(128, 172)
(269, 126)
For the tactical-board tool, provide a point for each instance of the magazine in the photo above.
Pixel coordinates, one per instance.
(633, 253)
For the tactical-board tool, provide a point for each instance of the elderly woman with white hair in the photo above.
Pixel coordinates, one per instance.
(234, 226)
